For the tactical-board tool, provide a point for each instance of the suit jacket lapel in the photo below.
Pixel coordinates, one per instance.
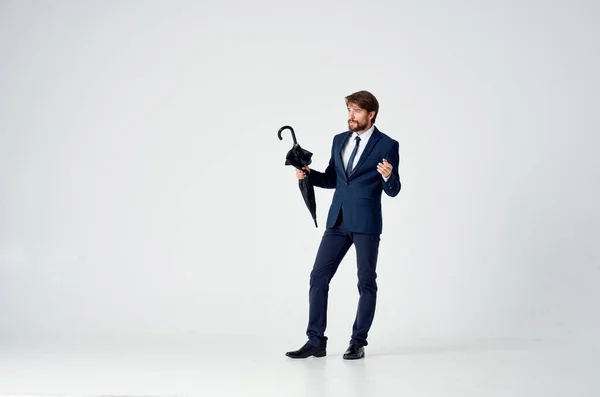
(338, 152)
(370, 145)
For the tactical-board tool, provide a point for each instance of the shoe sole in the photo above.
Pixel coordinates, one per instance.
(318, 355)
(354, 358)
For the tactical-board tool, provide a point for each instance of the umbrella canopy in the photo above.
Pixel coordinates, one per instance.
(299, 157)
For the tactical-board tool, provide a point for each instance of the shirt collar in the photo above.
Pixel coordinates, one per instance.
(364, 136)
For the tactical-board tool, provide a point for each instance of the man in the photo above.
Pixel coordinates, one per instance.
(364, 163)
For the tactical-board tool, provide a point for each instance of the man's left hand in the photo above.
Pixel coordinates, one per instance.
(385, 168)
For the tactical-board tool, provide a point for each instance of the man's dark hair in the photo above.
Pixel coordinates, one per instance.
(364, 100)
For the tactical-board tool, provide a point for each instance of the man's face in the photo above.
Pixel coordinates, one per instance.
(358, 119)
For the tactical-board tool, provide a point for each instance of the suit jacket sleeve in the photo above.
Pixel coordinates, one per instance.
(327, 179)
(391, 187)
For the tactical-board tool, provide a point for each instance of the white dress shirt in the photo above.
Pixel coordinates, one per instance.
(351, 143)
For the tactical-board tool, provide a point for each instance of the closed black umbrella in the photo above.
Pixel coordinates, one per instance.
(299, 158)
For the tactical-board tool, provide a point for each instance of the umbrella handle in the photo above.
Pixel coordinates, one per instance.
(287, 127)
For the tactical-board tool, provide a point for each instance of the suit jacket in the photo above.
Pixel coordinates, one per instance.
(359, 194)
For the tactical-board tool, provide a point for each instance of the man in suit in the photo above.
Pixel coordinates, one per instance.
(363, 164)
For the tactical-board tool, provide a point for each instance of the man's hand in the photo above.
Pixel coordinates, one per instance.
(385, 168)
(300, 174)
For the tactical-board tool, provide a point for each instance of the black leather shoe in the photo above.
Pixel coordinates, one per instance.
(306, 351)
(354, 352)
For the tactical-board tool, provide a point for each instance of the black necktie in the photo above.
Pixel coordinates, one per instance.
(351, 161)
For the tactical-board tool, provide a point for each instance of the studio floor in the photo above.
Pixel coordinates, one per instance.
(492, 368)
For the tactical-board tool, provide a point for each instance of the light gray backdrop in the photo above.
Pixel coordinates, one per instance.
(143, 192)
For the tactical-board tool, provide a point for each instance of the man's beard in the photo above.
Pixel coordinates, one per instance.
(358, 127)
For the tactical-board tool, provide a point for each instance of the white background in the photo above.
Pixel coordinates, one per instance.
(143, 192)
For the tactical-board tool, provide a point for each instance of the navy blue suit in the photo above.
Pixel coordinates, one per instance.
(354, 218)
